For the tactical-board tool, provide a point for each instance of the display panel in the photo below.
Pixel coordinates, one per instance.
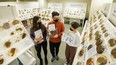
(28, 0)
(99, 40)
(14, 40)
(7, 0)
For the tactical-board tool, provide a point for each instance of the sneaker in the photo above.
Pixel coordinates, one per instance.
(66, 63)
(52, 59)
(57, 58)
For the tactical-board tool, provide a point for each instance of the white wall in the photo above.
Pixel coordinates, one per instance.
(18, 5)
(38, 4)
(97, 5)
(67, 1)
(74, 1)
(21, 4)
(43, 4)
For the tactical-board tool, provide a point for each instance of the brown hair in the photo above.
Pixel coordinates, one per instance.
(35, 24)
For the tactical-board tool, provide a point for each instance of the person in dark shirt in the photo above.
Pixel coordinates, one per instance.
(39, 42)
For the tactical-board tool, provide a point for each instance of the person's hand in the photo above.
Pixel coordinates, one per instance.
(41, 41)
(48, 30)
(1, 55)
(38, 39)
(55, 36)
(35, 41)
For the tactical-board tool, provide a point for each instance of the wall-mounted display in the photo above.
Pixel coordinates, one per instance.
(14, 40)
(55, 6)
(7, 0)
(75, 10)
(28, 13)
(98, 38)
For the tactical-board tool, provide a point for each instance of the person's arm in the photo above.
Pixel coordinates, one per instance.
(78, 39)
(32, 34)
(44, 32)
(62, 30)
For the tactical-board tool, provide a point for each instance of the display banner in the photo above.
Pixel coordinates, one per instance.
(112, 16)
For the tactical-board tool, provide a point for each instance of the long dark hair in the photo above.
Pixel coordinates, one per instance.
(35, 23)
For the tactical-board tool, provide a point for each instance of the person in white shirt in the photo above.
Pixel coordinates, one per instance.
(70, 50)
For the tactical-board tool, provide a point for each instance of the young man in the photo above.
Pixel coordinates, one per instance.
(71, 47)
(55, 36)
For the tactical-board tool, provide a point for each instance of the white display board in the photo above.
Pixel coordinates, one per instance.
(106, 9)
(6, 12)
(112, 16)
(55, 6)
(23, 58)
(14, 40)
(27, 13)
(75, 10)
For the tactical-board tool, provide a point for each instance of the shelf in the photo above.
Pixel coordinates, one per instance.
(7, 0)
(98, 30)
(28, 0)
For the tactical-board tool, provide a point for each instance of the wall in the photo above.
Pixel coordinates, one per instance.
(39, 3)
(43, 4)
(67, 1)
(21, 4)
(97, 5)
(88, 7)
(74, 1)
(114, 0)
(18, 5)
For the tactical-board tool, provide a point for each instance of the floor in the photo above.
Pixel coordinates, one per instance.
(62, 59)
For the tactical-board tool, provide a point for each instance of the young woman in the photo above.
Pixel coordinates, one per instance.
(39, 42)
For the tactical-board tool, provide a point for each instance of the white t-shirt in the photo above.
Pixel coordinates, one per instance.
(77, 39)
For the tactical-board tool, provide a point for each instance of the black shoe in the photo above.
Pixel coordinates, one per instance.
(46, 61)
(57, 58)
(52, 59)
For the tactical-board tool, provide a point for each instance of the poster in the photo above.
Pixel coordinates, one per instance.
(52, 27)
(38, 34)
(68, 38)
